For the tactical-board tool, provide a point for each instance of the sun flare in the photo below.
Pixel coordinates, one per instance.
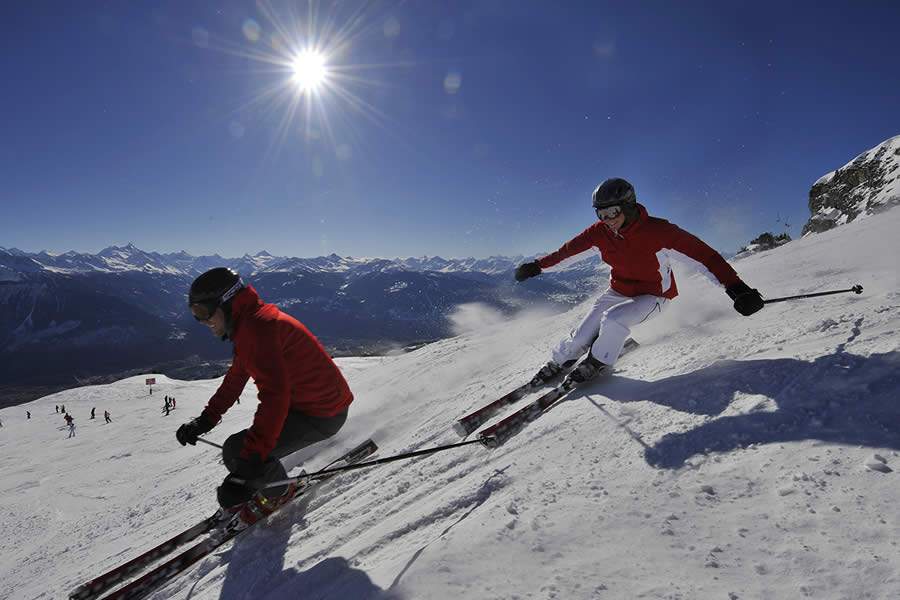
(309, 70)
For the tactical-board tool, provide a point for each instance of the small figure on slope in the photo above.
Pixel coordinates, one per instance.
(71, 423)
(303, 397)
(638, 248)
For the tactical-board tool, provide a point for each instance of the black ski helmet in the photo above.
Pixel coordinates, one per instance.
(215, 287)
(614, 192)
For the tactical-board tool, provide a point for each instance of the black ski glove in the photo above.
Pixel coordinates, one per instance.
(527, 270)
(190, 431)
(746, 300)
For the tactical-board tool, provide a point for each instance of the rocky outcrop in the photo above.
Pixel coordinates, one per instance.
(867, 185)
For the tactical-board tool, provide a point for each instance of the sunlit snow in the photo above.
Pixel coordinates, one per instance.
(728, 457)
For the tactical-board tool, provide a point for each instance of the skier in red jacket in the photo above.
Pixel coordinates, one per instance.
(638, 248)
(303, 397)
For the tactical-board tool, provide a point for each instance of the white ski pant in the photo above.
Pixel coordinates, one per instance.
(606, 327)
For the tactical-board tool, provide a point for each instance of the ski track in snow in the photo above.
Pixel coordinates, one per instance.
(727, 457)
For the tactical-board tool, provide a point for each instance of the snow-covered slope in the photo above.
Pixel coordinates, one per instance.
(728, 457)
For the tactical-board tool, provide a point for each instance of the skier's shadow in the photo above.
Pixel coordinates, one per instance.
(840, 398)
(256, 570)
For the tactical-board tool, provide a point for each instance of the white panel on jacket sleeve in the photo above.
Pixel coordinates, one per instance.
(693, 265)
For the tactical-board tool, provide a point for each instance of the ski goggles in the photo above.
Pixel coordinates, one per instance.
(204, 311)
(608, 213)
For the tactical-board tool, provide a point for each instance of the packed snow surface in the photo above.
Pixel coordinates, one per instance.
(727, 457)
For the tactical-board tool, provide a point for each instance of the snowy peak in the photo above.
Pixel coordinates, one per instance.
(130, 258)
(866, 185)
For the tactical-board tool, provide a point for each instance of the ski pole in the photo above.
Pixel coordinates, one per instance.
(856, 289)
(214, 445)
(326, 472)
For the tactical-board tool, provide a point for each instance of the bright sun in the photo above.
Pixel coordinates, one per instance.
(309, 70)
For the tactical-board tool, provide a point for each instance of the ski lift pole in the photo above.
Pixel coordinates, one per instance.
(858, 289)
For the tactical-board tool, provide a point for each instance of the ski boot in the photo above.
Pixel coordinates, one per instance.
(260, 506)
(587, 369)
(549, 372)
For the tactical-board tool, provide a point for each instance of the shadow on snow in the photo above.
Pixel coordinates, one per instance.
(840, 398)
(255, 569)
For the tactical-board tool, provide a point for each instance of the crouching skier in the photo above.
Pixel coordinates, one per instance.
(637, 247)
(303, 397)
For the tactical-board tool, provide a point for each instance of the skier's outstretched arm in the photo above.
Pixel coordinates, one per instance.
(746, 299)
(581, 242)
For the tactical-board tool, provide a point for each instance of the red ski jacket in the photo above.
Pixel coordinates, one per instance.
(639, 255)
(290, 367)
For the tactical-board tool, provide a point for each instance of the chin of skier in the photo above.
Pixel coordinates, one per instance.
(638, 248)
(303, 397)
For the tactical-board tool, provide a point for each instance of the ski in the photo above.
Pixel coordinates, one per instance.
(221, 530)
(500, 432)
(96, 586)
(472, 421)
(497, 434)
(475, 419)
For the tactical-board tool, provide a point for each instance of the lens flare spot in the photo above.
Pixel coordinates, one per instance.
(236, 129)
(277, 43)
(200, 36)
(343, 152)
(251, 30)
(318, 167)
(391, 27)
(452, 82)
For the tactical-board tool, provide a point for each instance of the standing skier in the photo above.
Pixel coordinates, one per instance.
(106, 416)
(637, 247)
(92, 411)
(303, 397)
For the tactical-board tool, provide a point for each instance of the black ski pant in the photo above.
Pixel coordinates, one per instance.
(299, 431)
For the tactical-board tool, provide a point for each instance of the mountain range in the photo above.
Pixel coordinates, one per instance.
(73, 317)
(69, 317)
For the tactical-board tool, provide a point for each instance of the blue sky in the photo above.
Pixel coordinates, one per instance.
(453, 129)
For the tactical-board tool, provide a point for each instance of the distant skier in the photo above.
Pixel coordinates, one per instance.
(71, 423)
(62, 408)
(57, 408)
(27, 412)
(303, 397)
(637, 247)
(166, 407)
(173, 402)
(92, 411)
(106, 416)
